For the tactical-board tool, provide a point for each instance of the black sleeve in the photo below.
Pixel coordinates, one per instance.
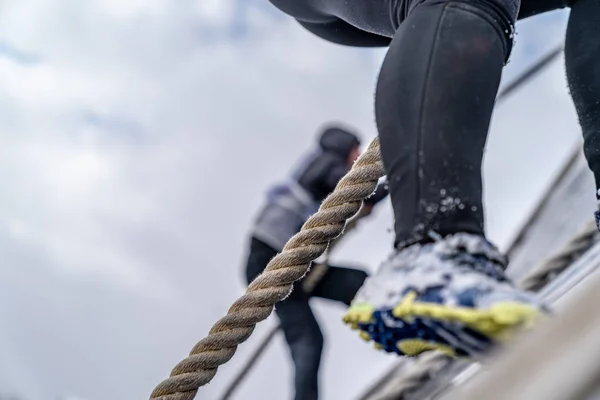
(322, 174)
(380, 193)
(333, 175)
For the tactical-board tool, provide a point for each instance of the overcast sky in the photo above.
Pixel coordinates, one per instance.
(137, 138)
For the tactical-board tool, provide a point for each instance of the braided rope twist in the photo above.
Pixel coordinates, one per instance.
(276, 282)
(421, 371)
(548, 269)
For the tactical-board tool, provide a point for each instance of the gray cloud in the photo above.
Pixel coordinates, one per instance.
(136, 150)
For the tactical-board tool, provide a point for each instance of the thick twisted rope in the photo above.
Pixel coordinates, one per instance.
(422, 370)
(276, 282)
(319, 270)
(250, 363)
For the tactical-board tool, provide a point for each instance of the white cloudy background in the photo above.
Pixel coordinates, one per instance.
(136, 139)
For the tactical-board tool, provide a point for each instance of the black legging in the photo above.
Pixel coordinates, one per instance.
(298, 323)
(436, 92)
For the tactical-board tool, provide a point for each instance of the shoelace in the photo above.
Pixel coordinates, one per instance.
(479, 262)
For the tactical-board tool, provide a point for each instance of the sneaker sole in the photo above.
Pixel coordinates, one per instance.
(413, 327)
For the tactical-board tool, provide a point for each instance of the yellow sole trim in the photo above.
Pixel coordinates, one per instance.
(414, 347)
(359, 314)
(497, 322)
(365, 336)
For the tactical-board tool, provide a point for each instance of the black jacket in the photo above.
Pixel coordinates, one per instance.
(291, 203)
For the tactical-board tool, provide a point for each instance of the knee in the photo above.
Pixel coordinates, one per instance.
(361, 276)
(307, 351)
(505, 10)
(500, 14)
(314, 341)
(304, 337)
(583, 18)
(317, 340)
(320, 345)
(358, 280)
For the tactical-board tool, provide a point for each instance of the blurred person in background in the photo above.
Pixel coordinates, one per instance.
(288, 206)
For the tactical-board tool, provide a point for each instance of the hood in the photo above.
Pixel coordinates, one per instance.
(338, 140)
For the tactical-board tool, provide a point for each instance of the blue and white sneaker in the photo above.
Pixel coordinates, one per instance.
(450, 295)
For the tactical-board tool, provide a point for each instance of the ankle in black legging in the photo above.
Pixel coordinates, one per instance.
(582, 57)
(434, 102)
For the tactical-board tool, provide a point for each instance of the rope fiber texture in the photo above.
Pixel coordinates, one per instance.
(276, 282)
(422, 370)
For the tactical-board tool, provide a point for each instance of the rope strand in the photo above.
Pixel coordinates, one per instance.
(276, 282)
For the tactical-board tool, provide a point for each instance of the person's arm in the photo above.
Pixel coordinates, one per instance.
(381, 192)
(333, 173)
